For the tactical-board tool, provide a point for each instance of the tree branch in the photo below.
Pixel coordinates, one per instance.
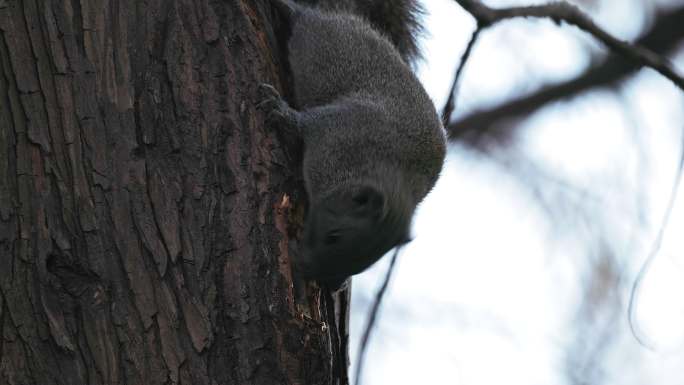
(450, 104)
(372, 316)
(480, 126)
(562, 11)
(653, 252)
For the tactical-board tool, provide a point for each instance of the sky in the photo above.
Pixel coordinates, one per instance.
(494, 287)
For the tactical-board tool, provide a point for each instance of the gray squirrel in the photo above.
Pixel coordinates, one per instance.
(398, 20)
(373, 143)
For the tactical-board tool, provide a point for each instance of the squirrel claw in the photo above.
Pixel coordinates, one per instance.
(276, 109)
(269, 97)
(268, 90)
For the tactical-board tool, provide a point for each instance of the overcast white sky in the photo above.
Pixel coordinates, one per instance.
(488, 292)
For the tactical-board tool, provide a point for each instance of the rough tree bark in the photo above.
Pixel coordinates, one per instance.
(147, 215)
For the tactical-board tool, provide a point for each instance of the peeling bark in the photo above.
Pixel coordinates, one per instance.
(147, 215)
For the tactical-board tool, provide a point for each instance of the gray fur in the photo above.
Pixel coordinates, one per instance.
(398, 20)
(373, 143)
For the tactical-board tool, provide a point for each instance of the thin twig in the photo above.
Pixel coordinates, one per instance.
(450, 104)
(479, 127)
(372, 315)
(655, 248)
(562, 11)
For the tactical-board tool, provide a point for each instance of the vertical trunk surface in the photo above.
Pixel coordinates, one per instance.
(146, 214)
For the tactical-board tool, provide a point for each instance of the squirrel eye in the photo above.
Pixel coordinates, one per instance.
(332, 238)
(361, 199)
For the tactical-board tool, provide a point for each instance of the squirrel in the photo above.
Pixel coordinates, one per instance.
(397, 20)
(373, 142)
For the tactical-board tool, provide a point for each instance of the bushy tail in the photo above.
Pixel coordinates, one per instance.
(287, 8)
(398, 20)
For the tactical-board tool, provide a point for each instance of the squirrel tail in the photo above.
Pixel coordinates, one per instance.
(398, 20)
(286, 8)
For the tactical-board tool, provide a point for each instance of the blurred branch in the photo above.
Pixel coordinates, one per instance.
(655, 248)
(372, 316)
(451, 101)
(480, 126)
(562, 11)
(597, 314)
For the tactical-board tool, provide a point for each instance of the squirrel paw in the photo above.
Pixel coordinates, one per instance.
(277, 110)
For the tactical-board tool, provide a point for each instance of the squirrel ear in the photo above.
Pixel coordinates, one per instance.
(367, 200)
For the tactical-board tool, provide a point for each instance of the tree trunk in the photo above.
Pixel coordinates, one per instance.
(147, 215)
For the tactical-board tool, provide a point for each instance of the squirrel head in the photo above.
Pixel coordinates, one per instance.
(349, 229)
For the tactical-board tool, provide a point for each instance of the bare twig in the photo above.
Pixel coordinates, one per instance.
(450, 104)
(477, 126)
(372, 315)
(562, 11)
(655, 248)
